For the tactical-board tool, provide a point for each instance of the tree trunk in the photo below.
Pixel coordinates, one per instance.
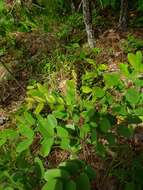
(123, 15)
(76, 5)
(87, 14)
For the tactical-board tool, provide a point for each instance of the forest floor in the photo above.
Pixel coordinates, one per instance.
(31, 48)
(110, 44)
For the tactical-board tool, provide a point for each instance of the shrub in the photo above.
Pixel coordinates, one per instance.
(103, 114)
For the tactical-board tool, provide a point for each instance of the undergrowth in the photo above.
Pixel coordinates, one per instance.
(99, 118)
(78, 106)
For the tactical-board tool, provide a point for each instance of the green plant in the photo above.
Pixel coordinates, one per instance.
(6, 21)
(95, 119)
(17, 171)
(69, 29)
(70, 175)
(106, 111)
(15, 17)
(132, 44)
(130, 175)
(106, 3)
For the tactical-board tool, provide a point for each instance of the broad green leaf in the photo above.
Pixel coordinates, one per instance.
(76, 117)
(111, 139)
(71, 166)
(70, 126)
(59, 114)
(139, 56)
(139, 82)
(20, 119)
(42, 89)
(2, 142)
(93, 124)
(51, 99)
(53, 184)
(35, 93)
(30, 87)
(112, 79)
(24, 145)
(29, 118)
(64, 136)
(89, 75)
(8, 134)
(91, 61)
(120, 110)
(136, 61)
(56, 173)
(109, 98)
(62, 133)
(39, 99)
(139, 60)
(124, 69)
(65, 143)
(40, 164)
(105, 125)
(93, 137)
(88, 114)
(132, 119)
(132, 96)
(138, 111)
(52, 121)
(86, 89)
(60, 100)
(70, 93)
(32, 93)
(102, 67)
(98, 92)
(100, 149)
(46, 146)
(125, 131)
(80, 163)
(45, 129)
(29, 102)
(132, 59)
(70, 185)
(26, 131)
(90, 172)
(84, 130)
(39, 108)
(58, 107)
(83, 182)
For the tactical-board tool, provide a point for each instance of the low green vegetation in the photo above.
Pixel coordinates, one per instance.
(132, 44)
(109, 110)
(79, 122)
